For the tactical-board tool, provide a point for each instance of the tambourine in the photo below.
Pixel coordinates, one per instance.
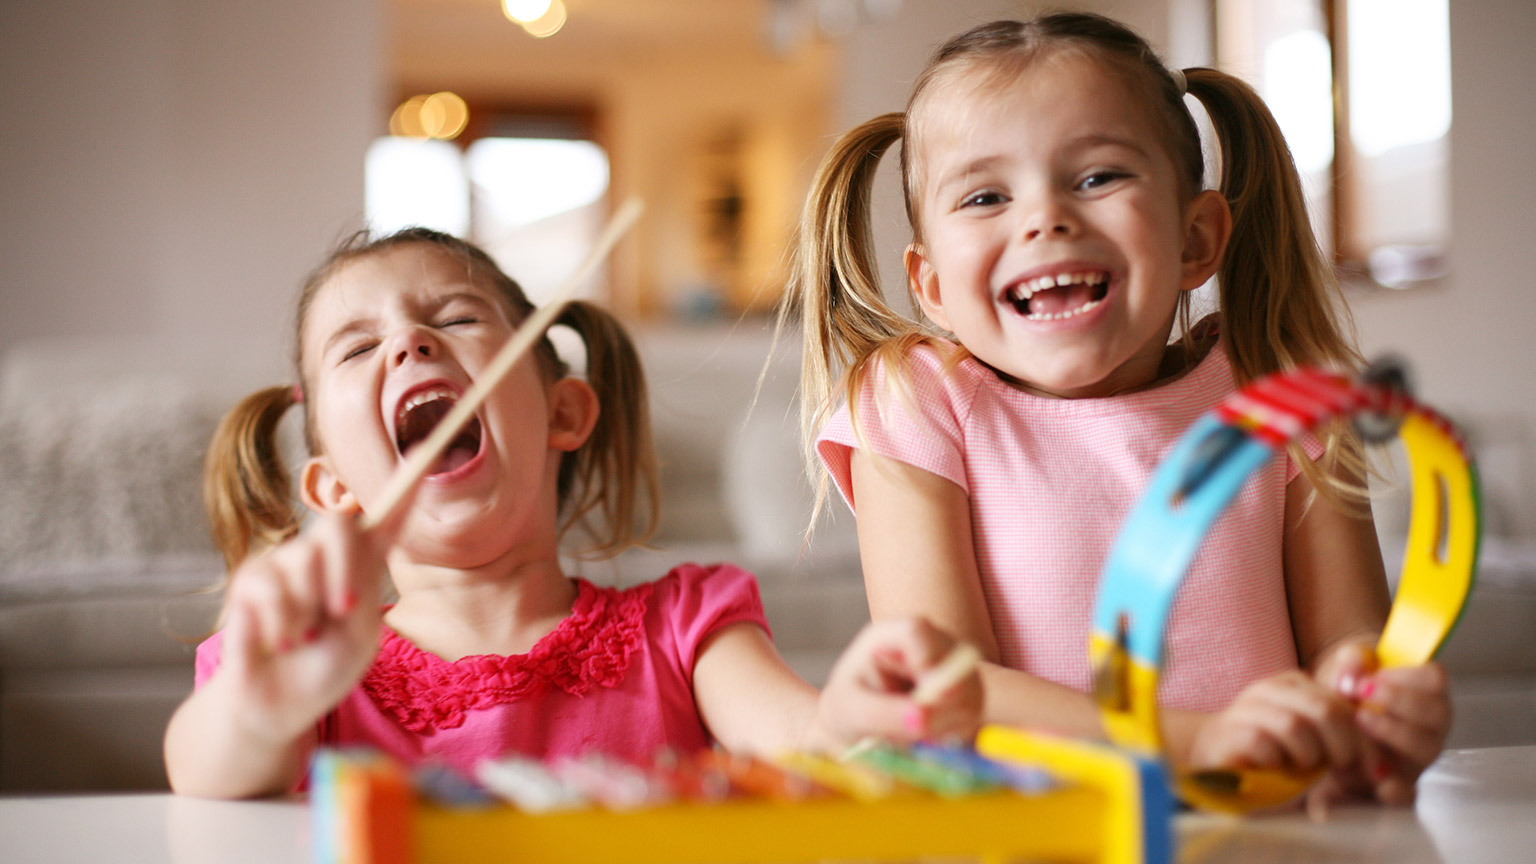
(1195, 483)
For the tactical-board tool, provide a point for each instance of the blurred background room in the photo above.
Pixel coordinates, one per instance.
(171, 169)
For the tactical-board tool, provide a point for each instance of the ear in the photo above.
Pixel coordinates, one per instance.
(322, 490)
(1208, 227)
(924, 282)
(573, 411)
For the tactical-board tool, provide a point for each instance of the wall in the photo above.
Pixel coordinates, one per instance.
(1469, 340)
(665, 78)
(173, 167)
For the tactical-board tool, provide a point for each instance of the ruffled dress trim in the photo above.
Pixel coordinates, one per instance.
(593, 647)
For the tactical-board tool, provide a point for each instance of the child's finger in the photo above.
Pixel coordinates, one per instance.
(1415, 688)
(1313, 726)
(1240, 744)
(1331, 720)
(242, 643)
(1412, 746)
(1347, 667)
(298, 567)
(351, 565)
(258, 590)
(1427, 710)
(919, 644)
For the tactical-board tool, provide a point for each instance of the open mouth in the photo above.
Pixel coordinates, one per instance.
(419, 414)
(1060, 296)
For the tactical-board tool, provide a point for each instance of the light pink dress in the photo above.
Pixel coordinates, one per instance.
(1049, 483)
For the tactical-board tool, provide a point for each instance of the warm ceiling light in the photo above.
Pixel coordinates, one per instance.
(406, 121)
(444, 115)
(441, 115)
(524, 11)
(549, 23)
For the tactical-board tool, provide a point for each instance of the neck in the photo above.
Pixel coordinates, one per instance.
(502, 607)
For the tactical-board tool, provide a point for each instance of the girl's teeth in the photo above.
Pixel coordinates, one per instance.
(1061, 316)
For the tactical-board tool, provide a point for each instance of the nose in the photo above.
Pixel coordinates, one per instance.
(1049, 218)
(412, 343)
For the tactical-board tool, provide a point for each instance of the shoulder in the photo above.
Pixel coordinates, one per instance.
(700, 587)
(934, 380)
(930, 364)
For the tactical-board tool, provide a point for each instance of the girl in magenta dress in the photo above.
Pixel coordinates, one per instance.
(488, 648)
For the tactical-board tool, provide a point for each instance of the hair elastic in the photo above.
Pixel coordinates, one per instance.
(1179, 80)
(298, 394)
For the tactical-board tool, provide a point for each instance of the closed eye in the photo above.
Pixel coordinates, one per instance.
(358, 351)
(459, 320)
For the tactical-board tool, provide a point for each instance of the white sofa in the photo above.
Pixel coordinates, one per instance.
(105, 562)
(106, 566)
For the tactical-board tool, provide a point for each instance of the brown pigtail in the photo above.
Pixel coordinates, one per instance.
(246, 489)
(614, 474)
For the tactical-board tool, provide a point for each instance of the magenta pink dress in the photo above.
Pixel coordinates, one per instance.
(616, 677)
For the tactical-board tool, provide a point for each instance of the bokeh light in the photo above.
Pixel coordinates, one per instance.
(440, 115)
(549, 23)
(523, 11)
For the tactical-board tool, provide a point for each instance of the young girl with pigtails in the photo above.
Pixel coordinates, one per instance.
(489, 650)
(1054, 182)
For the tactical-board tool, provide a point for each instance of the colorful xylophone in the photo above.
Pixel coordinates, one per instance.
(1015, 796)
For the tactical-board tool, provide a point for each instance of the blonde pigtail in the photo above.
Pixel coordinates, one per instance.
(834, 286)
(1281, 306)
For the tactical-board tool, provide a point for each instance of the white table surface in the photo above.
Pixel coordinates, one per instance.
(1474, 806)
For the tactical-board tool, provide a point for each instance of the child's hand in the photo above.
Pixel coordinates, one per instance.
(302, 623)
(1404, 714)
(1288, 722)
(869, 693)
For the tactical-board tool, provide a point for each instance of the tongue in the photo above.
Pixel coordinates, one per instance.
(455, 456)
(463, 449)
(1063, 298)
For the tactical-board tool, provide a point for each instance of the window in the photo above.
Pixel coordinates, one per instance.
(1361, 89)
(526, 190)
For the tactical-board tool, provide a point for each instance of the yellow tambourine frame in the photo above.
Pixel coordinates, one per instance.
(1191, 488)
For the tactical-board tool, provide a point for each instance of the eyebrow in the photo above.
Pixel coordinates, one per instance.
(356, 325)
(1083, 142)
(435, 304)
(975, 166)
(1108, 140)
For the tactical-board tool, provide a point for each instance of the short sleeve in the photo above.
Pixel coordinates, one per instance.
(1312, 446)
(700, 600)
(922, 426)
(206, 661)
